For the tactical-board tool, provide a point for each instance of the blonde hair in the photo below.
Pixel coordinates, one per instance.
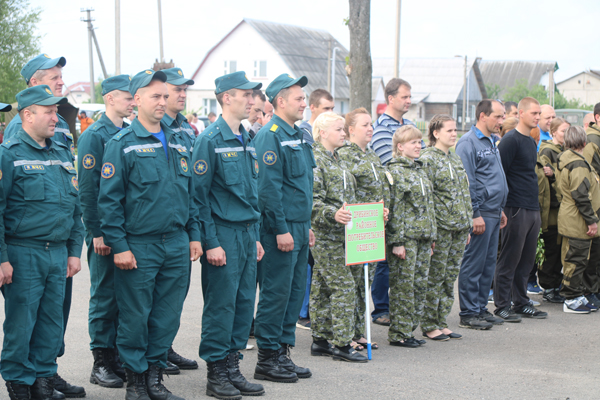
(324, 122)
(189, 118)
(402, 135)
(508, 125)
(351, 118)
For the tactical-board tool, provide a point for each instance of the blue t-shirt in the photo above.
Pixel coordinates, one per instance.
(239, 137)
(161, 136)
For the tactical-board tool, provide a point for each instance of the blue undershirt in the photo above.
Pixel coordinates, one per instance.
(239, 137)
(161, 136)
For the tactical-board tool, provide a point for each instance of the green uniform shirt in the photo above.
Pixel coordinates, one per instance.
(61, 132)
(39, 199)
(412, 213)
(373, 184)
(225, 179)
(91, 150)
(329, 194)
(180, 125)
(285, 181)
(143, 193)
(451, 196)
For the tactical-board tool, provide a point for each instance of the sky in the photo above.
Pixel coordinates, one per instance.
(534, 30)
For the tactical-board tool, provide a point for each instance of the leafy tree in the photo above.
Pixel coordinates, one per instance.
(18, 44)
(538, 92)
(493, 91)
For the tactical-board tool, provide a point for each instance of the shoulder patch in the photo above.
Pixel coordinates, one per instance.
(274, 128)
(89, 161)
(123, 132)
(270, 157)
(108, 170)
(0, 174)
(10, 142)
(390, 178)
(200, 167)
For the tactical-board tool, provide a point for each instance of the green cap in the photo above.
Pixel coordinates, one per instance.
(175, 77)
(143, 79)
(5, 107)
(236, 80)
(43, 61)
(118, 82)
(283, 81)
(40, 95)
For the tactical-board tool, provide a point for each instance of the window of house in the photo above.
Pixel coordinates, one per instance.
(472, 112)
(230, 67)
(260, 69)
(454, 111)
(210, 105)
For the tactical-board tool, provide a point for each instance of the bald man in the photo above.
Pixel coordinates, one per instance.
(546, 118)
(587, 119)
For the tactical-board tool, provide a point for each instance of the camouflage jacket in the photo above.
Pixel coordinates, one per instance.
(412, 213)
(592, 148)
(451, 196)
(329, 194)
(372, 183)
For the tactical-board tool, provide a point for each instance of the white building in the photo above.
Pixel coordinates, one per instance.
(78, 93)
(585, 86)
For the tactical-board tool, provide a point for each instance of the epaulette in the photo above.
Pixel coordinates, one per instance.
(274, 128)
(69, 135)
(60, 144)
(96, 126)
(123, 132)
(11, 142)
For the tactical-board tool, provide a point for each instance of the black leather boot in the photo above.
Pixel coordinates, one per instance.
(102, 373)
(42, 389)
(286, 362)
(70, 391)
(16, 391)
(172, 369)
(217, 381)
(156, 390)
(116, 364)
(237, 379)
(136, 386)
(268, 368)
(56, 395)
(181, 362)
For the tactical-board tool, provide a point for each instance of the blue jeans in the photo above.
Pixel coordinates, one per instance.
(304, 309)
(380, 290)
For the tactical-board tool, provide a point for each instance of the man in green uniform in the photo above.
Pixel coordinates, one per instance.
(285, 187)
(149, 219)
(177, 86)
(43, 70)
(103, 311)
(225, 175)
(41, 235)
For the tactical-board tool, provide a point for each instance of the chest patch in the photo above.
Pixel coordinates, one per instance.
(256, 166)
(389, 177)
(33, 167)
(229, 154)
(75, 183)
(184, 165)
(150, 150)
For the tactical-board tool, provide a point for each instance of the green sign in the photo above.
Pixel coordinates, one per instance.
(365, 234)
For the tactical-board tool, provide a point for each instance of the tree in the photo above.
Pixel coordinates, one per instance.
(493, 91)
(18, 44)
(360, 68)
(538, 92)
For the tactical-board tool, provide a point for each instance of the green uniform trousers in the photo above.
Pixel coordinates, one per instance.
(229, 293)
(282, 281)
(580, 267)
(443, 271)
(333, 299)
(150, 298)
(408, 284)
(33, 307)
(66, 311)
(103, 313)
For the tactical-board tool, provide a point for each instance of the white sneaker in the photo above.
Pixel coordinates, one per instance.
(249, 347)
(576, 306)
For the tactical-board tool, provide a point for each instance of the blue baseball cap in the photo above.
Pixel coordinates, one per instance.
(43, 61)
(143, 79)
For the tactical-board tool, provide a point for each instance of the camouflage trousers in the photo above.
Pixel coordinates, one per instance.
(581, 260)
(333, 299)
(443, 271)
(408, 285)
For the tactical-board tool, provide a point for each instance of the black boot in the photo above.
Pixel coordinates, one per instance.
(70, 391)
(102, 373)
(268, 368)
(172, 369)
(286, 362)
(17, 391)
(237, 379)
(217, 381)
(42, 389)
(181, 362)
(136, 386)
(116, 364)
(156, 390)
(56, 395)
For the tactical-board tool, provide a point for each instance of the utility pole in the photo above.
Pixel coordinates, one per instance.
(117, 37)
(160, 34)
(91, 52)
(397, 49)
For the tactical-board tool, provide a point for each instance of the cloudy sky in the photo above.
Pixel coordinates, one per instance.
(494, 30)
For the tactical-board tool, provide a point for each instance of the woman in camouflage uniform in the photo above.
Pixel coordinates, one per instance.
(453, 215)
(372, 186)
(410, 236)
(333, 291)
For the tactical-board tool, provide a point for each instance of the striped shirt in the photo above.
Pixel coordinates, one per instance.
(383, 131)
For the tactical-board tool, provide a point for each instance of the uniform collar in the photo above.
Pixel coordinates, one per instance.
(226, 131)
(179, 119)
(25, 138)
(140, 131)
(292, 131)
(107, 123)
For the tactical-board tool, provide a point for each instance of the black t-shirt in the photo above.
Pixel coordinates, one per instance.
(519, 155)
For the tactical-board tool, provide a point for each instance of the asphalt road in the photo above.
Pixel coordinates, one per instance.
(554, 358)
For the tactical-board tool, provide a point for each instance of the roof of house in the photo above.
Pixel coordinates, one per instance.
(78, 87)
(595, 72)
(304, 50)
(505, 74)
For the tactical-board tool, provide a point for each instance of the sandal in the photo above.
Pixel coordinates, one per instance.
(382, 320)
(374, 345)
(356, 346)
